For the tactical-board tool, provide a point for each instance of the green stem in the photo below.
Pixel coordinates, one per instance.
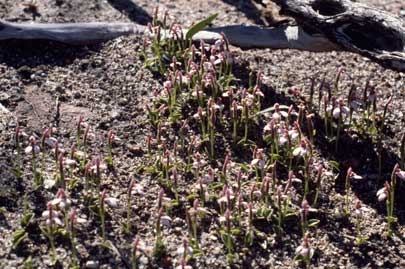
(129, 213)
(338, 132)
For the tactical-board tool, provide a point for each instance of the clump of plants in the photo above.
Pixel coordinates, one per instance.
(222, 153)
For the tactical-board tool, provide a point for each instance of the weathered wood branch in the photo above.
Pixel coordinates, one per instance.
(354, 27)
(282, 37)
(324, 25)
(68, 33)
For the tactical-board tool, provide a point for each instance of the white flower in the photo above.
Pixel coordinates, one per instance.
(300, 151)
(81, 220)
(181, 250)
(30, 148)
(208, 66)
(167, 84)
(340, 110)
(293, 134)
(382, 194)
(198, 163)
(259, 163)
(54, 218)
(102, 167)
(302, 250)
(62, 203)
(401, 174)
(360, 209)
(282, 140)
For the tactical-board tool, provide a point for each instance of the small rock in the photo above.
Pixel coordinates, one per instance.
(77, 95)
(135, 150)
(338, 214)
(177, 222)
(92, 264)
(115, 114)
(123, 102)
(60, 89)
(216, 250)
(25, 72)
(84, 64)
(4, 98)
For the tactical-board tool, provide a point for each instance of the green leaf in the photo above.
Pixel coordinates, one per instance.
(334, 165)
(200, 26)
(236, 231)
(28, 263)
(3, 210)
(192, 196)
(26, 219)
(244, 167)
(392, 219)
(18, 237)
(151, 170)
(313, 222)
(292, 214)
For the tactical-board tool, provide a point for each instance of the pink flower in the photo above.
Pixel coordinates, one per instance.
(52, 216)
(74, 219)
(353, 175)
(200, 114)
(110, 201)
(382, 193)
(400, 174)
(278, 113)
(306, 208)
(359, 209)
(167, 84)
(33, 147)
(304, 250)
(61, 200)
(301, 150)
(340, 110)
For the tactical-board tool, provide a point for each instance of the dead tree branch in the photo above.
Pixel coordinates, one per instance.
(373, 33)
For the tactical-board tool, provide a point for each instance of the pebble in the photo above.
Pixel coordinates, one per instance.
(338, 214)
(135, 150)
(77, 95)
(123, 102)
(114, 114)
(178, 222)
(216, 250)
(92, 264)
(4, 97)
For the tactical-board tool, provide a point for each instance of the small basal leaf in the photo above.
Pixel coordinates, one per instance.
(313, 222)
(200, 26)
(18, 237)
(26, 219)
(236, 231)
